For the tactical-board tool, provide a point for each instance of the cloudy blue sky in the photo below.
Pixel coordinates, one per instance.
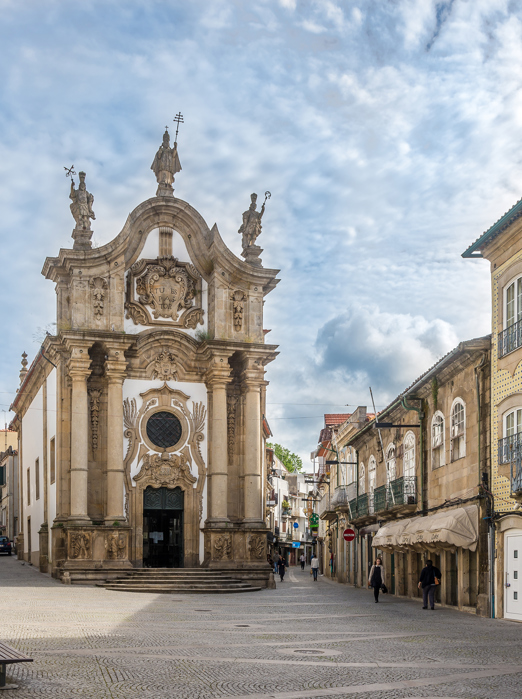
(388, 132)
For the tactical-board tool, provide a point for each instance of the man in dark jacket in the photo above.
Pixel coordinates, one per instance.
(428, 584)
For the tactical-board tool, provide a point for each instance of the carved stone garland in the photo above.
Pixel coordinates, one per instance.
(166, 290)
(80, 545)
(116, 544)
(223, 547)
(231, 423)
(95, 396)
(256, 546)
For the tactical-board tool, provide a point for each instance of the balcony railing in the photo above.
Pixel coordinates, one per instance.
(509, 339)
(402, 491)
(362, 505)
(379, 496)
(510, 452)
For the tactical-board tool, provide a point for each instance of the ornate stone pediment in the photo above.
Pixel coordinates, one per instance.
(167, 470)
(164, 292)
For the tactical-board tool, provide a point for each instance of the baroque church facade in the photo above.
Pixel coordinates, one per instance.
(141, 421)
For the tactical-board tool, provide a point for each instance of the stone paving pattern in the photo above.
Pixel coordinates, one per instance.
(302, 640)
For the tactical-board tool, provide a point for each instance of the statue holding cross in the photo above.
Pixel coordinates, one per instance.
(166, 162)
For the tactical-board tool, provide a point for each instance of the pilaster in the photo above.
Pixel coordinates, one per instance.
(79, 370)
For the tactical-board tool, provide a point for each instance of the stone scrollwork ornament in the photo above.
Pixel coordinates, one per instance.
(95, 396)
(164, 367)
(80, 545)
(164, 291)
(167, 470)
(256, 547)
(223, 547)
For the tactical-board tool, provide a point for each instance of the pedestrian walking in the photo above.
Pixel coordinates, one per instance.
(314, 565)
(429, 579)
(281, 564)
(302, 560)
(376, 578)
(276, 561)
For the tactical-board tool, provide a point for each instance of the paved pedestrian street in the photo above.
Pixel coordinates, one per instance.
(304, 639)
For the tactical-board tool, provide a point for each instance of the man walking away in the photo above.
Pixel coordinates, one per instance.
(302, 560)
(276, 561)
(281, 565)
(315, 566)
(429, 579)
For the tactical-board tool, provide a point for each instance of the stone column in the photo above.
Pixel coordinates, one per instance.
(218, 468)
(115, 369)
(79, 370)
(252, 463)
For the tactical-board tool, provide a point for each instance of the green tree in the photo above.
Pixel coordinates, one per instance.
(291, 461)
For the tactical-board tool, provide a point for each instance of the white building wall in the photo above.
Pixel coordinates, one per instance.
(32, 449)
(150, 251)
(51, 432)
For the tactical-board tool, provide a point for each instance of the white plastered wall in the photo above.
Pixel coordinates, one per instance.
(51, 432)
(32, 449)
(150, 251)
(198, 394)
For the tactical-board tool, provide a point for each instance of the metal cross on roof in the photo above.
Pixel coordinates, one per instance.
(178, 119)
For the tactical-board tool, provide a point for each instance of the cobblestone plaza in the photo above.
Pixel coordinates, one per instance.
(301, 640)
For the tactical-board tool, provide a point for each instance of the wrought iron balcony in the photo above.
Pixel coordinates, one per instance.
(362, 505)
(379, 498)
(510, 339)
(510, 452)
(353, 508)
(402, 491)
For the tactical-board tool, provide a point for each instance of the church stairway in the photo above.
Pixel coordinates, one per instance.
(178, 580)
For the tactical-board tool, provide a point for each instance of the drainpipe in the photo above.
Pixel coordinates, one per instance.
(491, 523)
(420, 413)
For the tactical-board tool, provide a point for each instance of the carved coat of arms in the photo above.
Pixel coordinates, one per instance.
(166, 291)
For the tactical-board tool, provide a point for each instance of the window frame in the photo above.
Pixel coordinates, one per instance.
(388, 460)
(441, 447)
(362, 479)
(409, 436)
(515, 282)
(461, 436)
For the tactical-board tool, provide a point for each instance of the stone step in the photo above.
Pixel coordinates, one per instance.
(164, 590)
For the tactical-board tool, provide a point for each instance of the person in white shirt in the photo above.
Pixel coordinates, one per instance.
(302, 560)
(315, 566)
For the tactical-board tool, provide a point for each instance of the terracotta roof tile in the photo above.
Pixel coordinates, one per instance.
(332, 419)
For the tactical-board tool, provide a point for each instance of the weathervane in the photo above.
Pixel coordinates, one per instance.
(179, 120)
(69, 172)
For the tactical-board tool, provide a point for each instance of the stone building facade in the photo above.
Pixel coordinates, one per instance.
(416, 487)
(501, 245)
(140, 421)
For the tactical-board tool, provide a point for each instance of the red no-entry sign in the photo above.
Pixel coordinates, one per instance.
(348, 535)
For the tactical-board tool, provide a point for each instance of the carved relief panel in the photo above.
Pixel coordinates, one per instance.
(164, 291)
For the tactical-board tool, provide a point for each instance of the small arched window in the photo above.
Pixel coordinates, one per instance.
(391, 464)
(513, 302)
(438, 456)
(408, 460)
(458, 429)
(362, 479)
(372, 477)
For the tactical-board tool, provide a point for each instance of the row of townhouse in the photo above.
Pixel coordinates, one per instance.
(288, 506)
(438, 473)
(9, 524)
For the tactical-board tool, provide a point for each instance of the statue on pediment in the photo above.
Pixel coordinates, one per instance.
(165, 166)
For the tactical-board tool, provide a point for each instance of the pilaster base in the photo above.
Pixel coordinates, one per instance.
(89, 553)
(233, 546)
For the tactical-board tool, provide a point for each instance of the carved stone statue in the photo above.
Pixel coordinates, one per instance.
(166, 164)
(81, 209)
(251, 226)
(250, 230)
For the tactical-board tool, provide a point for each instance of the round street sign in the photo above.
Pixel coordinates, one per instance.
(348, 535)
(296, 525)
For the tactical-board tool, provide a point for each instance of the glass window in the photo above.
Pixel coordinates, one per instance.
(458, 431)
(408, 463)
(362, 479)
(513, 303)
(437, 441)
(390, 464)
(164, 429)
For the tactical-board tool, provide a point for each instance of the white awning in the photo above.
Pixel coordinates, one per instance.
(447, 529)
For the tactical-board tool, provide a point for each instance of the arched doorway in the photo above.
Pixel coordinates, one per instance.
(163, 527)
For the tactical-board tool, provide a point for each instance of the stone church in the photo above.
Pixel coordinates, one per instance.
(141, 421)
